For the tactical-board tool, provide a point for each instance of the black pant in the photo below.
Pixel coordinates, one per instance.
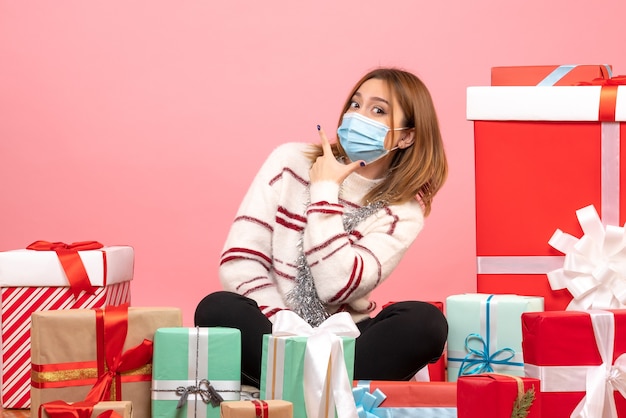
(393, 345)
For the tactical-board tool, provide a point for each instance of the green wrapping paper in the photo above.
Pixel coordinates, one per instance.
(190, 366)
(485, 333)
(282, 369)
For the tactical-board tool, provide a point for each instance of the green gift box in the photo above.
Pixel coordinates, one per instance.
(485, 333)
(283, 366)
(191, 367)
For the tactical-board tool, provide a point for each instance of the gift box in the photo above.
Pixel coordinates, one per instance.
(485, 333)
(96, 354)
(107, 409)
(35, 280)
(257, 409)
(194, 369)
(579, 358)
(498, 396)
(394, 399)
(541, 153)
(547, 75)
(312, 368)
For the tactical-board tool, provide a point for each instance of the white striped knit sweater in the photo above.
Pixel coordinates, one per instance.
(282, 207)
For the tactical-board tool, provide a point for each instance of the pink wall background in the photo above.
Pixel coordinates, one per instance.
(143, 122)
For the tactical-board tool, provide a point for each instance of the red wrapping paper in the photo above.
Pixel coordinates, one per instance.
(546, 171)
(566, 338)
(493, 395)
(413, 394)
(532, 75)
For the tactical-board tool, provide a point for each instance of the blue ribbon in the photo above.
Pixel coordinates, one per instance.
(366, 402)
(480, 360)
(561, 71)
(416, 412)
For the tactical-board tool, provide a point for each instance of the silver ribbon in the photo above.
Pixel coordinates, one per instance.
(207, 393)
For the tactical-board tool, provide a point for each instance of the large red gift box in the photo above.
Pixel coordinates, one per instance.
(541, 153)
(36, 280)
(576, 355)
(547, 75)
(494, 395)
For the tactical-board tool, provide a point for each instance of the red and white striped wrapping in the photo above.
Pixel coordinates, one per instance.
(25, 287)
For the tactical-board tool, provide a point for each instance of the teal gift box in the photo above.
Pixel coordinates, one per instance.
(191, 367)
(283, 367)
(485, 333)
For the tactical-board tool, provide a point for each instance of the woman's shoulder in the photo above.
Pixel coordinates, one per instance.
(410, 212)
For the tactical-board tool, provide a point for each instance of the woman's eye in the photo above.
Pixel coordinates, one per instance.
(379, 111)
(354, 105)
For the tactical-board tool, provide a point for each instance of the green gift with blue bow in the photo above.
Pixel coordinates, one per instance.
(194, 369)
(485, 333)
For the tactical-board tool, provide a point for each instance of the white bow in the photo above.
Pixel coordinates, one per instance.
(602, 380)
(594, 270)
(326, 380)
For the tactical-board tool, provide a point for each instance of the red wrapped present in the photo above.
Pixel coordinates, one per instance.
(94, 355)
(547, 75)
(498, 396)
(53, 276)
(579, 358)
(407, 399)
(541, 153)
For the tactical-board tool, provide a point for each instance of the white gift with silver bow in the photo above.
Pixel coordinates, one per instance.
(594, 270)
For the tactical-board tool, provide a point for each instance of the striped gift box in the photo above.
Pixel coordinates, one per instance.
(35, 281)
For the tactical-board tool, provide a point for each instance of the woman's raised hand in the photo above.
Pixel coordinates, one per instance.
(327, 168)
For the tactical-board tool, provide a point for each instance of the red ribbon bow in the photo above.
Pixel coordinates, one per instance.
(71, 262)
(261, 409)
(62, 409)
(111, 330)
(608, 95)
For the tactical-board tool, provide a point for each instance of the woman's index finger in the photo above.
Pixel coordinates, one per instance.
(325, 144)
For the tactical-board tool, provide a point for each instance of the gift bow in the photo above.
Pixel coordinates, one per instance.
(326, 379)
(71, 262)
(594, 271)
(480, 360)
(602, 380)
(608, 95)
(111, 330)
(366, 401)
(207, 393)
(62, 409)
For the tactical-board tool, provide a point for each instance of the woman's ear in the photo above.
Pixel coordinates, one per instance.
(407, 140)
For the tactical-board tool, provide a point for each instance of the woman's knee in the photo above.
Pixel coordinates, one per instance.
(214, 308)
(423, 319)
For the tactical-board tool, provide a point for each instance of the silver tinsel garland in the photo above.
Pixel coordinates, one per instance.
(303, 299)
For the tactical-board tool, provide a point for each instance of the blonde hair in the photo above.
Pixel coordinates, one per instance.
(420, 170)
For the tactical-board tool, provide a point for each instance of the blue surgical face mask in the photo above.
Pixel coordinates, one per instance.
(363, 138)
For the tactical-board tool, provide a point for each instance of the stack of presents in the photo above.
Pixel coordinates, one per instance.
(544, 336)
